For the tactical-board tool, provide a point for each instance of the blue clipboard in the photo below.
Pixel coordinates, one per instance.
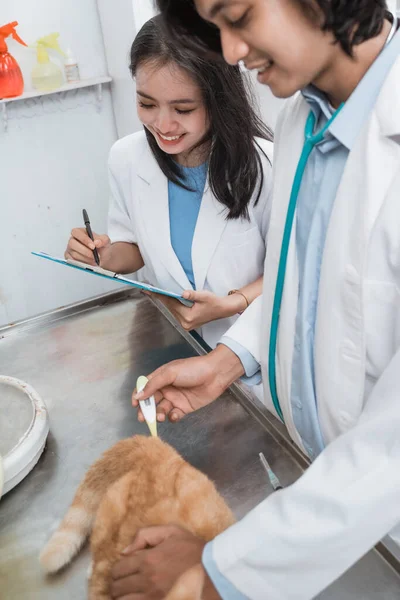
(75, 264)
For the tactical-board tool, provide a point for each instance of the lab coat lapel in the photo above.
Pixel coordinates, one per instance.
(340, 335)
(154, 209)
(210, 225)
(381, 160)
(388, 103)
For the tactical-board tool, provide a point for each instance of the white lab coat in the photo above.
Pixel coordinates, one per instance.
(299, 540)
(225, 254)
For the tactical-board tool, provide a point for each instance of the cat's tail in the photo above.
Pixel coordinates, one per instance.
(72, 532)
(77, 524)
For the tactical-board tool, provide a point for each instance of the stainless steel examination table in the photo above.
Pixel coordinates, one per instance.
(83, 360)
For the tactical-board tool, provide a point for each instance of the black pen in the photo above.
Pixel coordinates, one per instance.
(90, 234)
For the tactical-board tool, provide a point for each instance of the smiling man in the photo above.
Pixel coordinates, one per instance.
(326, 334)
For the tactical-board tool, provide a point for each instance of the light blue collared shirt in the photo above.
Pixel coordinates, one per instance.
(317, 194)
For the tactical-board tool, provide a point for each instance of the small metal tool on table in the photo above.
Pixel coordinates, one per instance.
(276, 484)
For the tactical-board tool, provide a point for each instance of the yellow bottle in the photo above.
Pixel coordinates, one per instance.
(46, 75)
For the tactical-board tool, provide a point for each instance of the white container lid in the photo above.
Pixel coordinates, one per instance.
(24, 426)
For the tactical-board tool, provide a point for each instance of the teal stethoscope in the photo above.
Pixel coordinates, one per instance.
(311, 139)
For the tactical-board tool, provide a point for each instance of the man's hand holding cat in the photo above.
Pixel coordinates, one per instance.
(183, 386)
(154, 561)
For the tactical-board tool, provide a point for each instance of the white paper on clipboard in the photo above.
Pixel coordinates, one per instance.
(75, 264)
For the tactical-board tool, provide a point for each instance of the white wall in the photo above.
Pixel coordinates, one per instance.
(118, 27)
(393, 5)
(143, 10)
(120, 22)
(53, 163)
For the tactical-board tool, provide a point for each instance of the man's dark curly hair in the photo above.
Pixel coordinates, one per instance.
(351, 21)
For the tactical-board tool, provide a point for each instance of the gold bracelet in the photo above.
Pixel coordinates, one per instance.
(241, 293)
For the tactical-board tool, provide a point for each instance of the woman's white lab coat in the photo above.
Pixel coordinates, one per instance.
(225, 254)
(301, 539)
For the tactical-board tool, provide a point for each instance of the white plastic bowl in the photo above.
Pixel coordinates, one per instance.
(25, 423)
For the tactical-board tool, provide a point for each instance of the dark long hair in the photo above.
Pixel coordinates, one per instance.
(351, 22)
(235, 168)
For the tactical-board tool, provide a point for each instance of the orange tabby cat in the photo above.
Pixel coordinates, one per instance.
(139, 482)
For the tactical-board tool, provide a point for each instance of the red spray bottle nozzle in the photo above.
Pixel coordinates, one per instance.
(6, 31)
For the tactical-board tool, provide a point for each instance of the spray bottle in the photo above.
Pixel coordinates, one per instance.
(71, 67)
(11, 80)
(47, 76)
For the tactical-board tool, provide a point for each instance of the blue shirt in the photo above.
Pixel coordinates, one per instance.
(184, 206)
(318, 190)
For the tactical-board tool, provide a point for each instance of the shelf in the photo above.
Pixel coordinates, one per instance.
(93, 82)
(64, 88)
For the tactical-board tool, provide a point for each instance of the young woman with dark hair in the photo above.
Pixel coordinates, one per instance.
(190, 193)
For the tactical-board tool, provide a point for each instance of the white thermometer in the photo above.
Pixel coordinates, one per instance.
(148, 406)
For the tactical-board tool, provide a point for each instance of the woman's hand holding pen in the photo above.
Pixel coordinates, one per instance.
(80, 247)
(120, 257)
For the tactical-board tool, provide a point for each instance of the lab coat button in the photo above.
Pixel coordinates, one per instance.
(351, 274)
(346, 418)
(349, 348)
